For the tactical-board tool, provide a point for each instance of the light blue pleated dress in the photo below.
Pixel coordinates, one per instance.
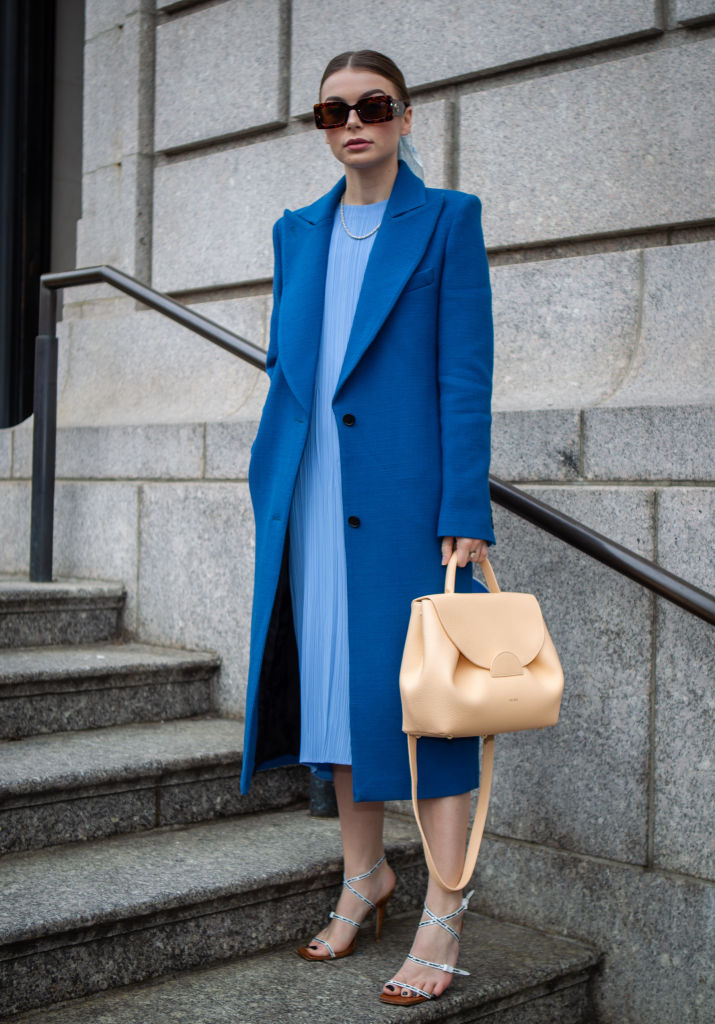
(318, 578)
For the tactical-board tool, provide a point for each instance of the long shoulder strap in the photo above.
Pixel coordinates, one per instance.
(480, 816)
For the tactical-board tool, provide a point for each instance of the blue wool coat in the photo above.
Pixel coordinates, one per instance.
(412, 408)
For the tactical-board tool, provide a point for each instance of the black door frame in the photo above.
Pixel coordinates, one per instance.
(27, 44)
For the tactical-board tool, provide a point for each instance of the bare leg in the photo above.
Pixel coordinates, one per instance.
(361, 832)
(445, 821)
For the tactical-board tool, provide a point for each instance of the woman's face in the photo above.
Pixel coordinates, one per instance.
(357, 144)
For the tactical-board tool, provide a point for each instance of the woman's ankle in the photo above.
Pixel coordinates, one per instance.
(442, 902)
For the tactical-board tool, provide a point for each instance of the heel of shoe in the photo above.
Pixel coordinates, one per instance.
(380, 909)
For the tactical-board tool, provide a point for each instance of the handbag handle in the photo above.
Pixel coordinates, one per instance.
(485, 782)
(485, 566)
(480, 816)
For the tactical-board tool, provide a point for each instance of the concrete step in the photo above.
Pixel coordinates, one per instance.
(62, 612)
(518, 976)
(80, 918)
(64, 787)
(64, 688)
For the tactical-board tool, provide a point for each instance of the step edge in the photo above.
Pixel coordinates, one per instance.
(75, 673)
(318, 874)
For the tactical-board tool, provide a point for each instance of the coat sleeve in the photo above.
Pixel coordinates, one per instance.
(464, 370)
(272, 354)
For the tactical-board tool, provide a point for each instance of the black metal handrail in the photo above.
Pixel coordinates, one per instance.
(576, 534)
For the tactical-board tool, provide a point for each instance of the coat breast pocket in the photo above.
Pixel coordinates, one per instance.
(420, 280)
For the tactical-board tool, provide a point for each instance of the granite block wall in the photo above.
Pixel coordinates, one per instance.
(587, 131)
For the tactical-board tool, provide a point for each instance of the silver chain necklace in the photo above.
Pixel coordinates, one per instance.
(342, 218)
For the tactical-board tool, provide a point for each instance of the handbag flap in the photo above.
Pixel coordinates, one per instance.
(481, 626)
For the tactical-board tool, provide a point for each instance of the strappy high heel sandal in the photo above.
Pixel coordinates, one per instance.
(307, 953)
(419, 996)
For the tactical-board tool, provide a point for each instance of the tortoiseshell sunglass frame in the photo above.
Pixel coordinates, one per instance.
(393, 107)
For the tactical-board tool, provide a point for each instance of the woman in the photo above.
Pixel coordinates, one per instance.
(371, 461)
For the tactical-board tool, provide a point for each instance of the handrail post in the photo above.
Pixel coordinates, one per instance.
(44, 439)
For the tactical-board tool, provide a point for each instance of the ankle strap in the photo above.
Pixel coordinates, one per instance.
(442, 921)
(373, 869)
(358, 878)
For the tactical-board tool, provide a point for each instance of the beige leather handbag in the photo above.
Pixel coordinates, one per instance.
(476, 665)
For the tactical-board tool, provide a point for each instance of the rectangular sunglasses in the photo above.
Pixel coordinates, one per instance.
(370, 109)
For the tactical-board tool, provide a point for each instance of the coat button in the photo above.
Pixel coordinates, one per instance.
(353, 521)
(348, 419)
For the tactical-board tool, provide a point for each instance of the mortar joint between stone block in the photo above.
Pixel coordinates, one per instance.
(581, 443)
(652, 697)
(140, 509)
(451, 142)
(285, 57)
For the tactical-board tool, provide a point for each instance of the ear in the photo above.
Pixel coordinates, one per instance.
(406, 122)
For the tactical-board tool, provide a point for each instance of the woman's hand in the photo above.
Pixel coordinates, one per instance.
(468, 550)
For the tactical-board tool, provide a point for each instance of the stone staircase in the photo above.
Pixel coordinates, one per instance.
(130, 862)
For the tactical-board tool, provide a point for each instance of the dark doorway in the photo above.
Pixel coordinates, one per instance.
(27, 36)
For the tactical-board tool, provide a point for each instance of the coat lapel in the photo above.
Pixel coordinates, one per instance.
(407, 226)
(307, 242)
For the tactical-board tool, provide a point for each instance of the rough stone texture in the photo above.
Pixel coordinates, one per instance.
(210, 526)
(601, 626)
(46, 764)
(530, 148)
(685, 705)
(202, 97)
(100, 685)
(470, 36)
(213, 214)
(137, 369)
(565, 329)
(649, 443)
(116, 121)
(5, 453)
(117, 154)
(14, 526)
(95, 535)
(100, 235)
(62, 612)
(228, 449)
(216, 793)
(684, 768)
(518, 977)
(536, 445)
(78, 786)
(104, 118)
(101, 15)
(113, 228)
(22, 442)
(84, 815)
(687, 11)
(677, 329)
(163, 451)
(171, 900)
(655, 929)
(431, 137)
